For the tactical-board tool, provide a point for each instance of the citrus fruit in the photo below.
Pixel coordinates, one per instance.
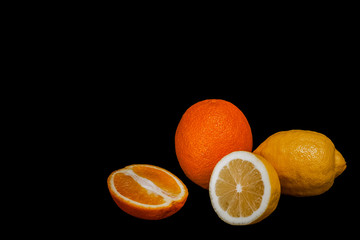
(147, 191)
(307, 162)
(244, 188)
(207, 131)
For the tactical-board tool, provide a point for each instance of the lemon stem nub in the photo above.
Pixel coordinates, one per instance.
(340, 164)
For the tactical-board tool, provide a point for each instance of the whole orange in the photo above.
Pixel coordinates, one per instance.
(209, 130)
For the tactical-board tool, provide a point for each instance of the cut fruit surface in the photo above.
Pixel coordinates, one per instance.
(147, 191)
(244, 188)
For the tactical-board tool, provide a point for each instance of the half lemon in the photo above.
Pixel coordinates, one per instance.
(244, 188)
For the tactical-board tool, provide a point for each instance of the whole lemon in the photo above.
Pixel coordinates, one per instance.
(307, 162)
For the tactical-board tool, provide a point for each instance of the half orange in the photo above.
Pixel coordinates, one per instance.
(146, 191)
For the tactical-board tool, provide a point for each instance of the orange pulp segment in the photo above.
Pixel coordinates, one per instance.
(147, 191)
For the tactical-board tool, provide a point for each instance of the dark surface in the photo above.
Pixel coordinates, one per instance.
(280, 78)
(139, 127)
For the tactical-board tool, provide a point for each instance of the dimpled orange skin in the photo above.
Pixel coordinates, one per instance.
(209, 130)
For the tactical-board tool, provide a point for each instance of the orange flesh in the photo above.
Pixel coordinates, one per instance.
(146, 185)
(131, 189)
(240, 188)
(160, 179)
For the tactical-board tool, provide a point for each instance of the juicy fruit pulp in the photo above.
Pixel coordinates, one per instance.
(239, 188)
(208, 131)
(146, 185)
(147, 191)
(244, 188)
(307, 162)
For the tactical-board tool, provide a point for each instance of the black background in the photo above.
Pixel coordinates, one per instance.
(300, 82)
